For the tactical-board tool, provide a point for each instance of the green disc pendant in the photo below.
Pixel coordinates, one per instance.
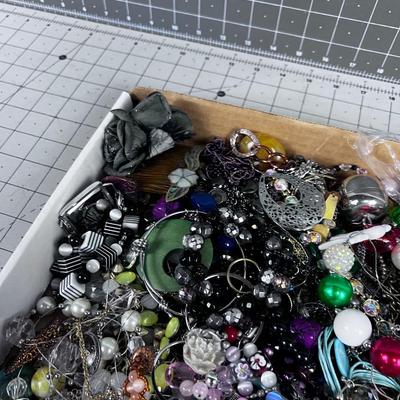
(165, 238)
(335, 291)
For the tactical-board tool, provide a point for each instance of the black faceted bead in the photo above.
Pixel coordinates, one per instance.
(205, 288)
(247, 304)
(186, 295)
(215, 321)
(190, 257)
(83, 276)
(182, 275)
(199, 272)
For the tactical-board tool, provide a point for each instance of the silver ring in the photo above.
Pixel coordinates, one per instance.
(233, 141)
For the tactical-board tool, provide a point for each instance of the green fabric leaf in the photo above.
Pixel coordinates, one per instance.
(175, 192)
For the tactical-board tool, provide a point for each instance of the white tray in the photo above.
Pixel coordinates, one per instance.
(26, 274)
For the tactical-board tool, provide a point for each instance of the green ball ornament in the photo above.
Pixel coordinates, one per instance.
(335, 291)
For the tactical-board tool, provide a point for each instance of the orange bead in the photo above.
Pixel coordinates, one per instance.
(274, 145)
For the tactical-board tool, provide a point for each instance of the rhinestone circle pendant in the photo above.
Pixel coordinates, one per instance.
(299, 216)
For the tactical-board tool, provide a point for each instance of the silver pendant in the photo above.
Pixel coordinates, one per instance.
(299, 216)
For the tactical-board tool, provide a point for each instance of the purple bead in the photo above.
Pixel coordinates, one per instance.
(178, 372)
(245, 388)
(226, 388)
(162, 208)
(200, 390)
(306, 332)
(224, 374)
(214, 394)
(232, 354)
(186, 388)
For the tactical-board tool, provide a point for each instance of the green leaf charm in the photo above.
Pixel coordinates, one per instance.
(175, 192)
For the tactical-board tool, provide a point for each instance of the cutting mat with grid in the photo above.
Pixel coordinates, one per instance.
(59, 76)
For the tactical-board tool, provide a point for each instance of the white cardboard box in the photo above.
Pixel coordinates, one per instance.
(26, 274)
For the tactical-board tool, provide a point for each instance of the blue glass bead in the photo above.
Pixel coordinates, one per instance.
(226, 243)
(273, 396)
(342, 360)
(203, 201)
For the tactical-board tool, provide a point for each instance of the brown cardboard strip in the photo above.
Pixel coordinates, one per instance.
(324, 144)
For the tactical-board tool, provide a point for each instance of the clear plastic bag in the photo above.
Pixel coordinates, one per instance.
(378, 154)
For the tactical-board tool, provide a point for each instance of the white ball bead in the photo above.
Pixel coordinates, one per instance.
(45, 305)
(352, 327)
(130, 320)
(80, 307)
(117, 380)
(339, 258)
(109, 348)
(268, 379)
(93, 266)
(115, 214)
(396, 256)
(65, 249)
(249, 349)
(117, 248)
(66, 309)
(102, 204)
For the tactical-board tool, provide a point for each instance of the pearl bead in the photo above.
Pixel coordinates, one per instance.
(396, 256)
(352, 327)
(232, 354)
(65, 249)
(245, 388)
(66, 308)
(93, 266)
(80, 307)
(249, 349)
(117, 248)
(130, 320)
(137, 386)
(186, 388)
(102, 204)
(109, 348)
(268, 379)
(339, 258)
(115, 214)
(45, 305)
(200, 390)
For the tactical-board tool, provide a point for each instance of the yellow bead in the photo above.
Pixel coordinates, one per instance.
(323, 230)
(330, 205)
(164, 343)
(273, 144)
(43, 387)
(159, 375)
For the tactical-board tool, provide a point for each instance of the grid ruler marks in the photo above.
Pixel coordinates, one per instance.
(59, 76)
(360, 36)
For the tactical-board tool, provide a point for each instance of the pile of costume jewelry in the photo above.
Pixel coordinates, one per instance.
(254, 276)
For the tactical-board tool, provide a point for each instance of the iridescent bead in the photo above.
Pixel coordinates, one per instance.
(232, 354)
(200, 390)
(245, 388)
(339, 258)
(186, 388)
(231, 230)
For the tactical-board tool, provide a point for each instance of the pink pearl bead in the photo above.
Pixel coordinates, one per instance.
(137, 385)
(135, 396)
(186, 388)
(132, 376)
